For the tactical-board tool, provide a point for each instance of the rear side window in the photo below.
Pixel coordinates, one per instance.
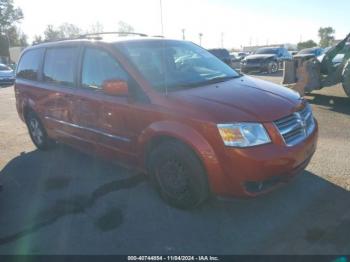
(99, 66)
(59, 65)
(28, 67)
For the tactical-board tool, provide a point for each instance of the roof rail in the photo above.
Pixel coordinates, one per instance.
(95, 36)
(111, 33)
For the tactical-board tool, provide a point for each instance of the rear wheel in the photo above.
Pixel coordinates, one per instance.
(37, 132)
(346, 79)
(179, 175)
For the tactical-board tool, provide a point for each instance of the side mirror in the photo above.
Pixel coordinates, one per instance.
(115, 87)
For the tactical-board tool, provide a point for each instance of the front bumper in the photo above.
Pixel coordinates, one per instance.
(253, 66)
(7, 81)
(252, 171)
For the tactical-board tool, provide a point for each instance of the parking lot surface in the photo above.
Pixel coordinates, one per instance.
(66, 202)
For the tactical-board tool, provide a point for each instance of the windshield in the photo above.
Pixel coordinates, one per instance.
(171, 65)
(307, 51)
(272, 51)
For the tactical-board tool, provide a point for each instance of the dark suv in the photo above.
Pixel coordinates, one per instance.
(267, 59)
(222, 54)
(167, 108)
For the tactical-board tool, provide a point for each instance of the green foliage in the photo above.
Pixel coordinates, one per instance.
(326, 35)
(65, 30)
(306, 44)
(9, 14)
(16, 37)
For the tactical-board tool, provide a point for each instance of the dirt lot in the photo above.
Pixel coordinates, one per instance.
(66, 202)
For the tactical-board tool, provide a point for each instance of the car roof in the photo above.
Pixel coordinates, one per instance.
(104, 40)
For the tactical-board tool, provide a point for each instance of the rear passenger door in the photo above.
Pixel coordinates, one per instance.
(103, 117)
(59, 77)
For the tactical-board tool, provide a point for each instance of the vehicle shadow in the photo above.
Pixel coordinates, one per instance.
(335, 103)
(82, 199)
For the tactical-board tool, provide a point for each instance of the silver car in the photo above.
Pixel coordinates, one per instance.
(7, 75)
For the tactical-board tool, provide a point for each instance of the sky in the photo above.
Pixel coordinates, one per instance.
(237, 22)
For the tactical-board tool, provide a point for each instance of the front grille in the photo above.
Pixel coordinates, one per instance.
(254, 61)
(297, 126)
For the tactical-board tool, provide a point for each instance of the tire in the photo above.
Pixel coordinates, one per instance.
(37, 132)
(346, 79)
(178, 175)
(272, 67)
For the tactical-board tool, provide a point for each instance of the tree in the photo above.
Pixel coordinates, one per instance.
(96, 28)
(307, 44)
(326, 35)
(51, 33)
(125, 27)
(16, 37)
(37, 39)
(9, 14)
(69, 30)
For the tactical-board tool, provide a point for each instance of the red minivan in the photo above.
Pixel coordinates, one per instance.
(168, 108)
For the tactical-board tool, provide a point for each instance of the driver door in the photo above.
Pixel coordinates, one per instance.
(103, 118)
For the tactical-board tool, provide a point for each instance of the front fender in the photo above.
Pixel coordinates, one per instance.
(191, 138)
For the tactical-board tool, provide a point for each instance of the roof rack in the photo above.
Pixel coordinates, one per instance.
(94, 36)
(111, 33)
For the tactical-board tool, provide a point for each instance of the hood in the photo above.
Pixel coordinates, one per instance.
(304, 55)
(259, 56)
(7, 73)
(242, 99)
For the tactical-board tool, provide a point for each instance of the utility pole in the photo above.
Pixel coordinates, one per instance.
(222, 40)
(183, 33)
(200, 39)
(161, 17)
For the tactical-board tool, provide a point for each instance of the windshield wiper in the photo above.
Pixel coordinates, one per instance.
(221, 79)
(206, 82)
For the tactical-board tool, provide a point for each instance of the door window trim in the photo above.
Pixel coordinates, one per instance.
(75, 68)
(81, 64)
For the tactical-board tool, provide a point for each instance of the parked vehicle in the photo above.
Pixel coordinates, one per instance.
(222, 54)
(7, 75)
(306, 74)
(239, 55)
(267, 59)
(310, 52)
(169, 108)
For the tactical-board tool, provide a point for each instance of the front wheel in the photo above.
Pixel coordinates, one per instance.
(179, 175)
(37, 132)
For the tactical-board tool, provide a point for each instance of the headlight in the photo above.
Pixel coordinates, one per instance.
(243, 134)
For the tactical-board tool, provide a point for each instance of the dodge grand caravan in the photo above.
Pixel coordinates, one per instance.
(168, 108)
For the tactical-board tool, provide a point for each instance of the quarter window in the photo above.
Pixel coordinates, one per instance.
(99, 66)
(59, 65)
(29, 64)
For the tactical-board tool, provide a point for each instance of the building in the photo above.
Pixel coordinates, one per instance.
(253, 48)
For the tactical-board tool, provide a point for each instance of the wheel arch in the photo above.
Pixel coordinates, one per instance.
(168, 130)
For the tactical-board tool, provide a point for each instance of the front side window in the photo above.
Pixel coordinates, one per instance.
(59, 65)
(172, 65)
(29, 64)
(99, 66)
